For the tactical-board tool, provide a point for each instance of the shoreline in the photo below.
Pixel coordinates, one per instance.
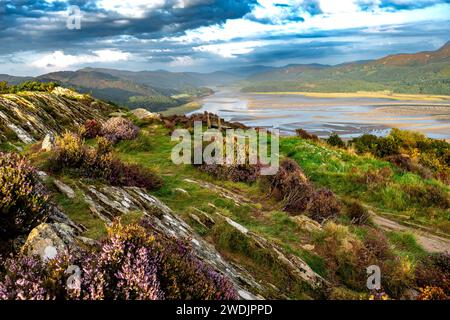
(362, 94)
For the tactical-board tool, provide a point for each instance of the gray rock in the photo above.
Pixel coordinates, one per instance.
(48, 144)
(141, 113)
(49, 239)
(65, 189)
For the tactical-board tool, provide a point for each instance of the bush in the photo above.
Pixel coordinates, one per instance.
(335, 141)
(386, 147)
(237, 173)
(100, 163)
(305, 135)
(428, 195)
(432, 293)
(290, 185)
(131, 264)
(357, 213)
(134, 175)
(323, 206)
(119, 128)
(377, 244)
(376, 177)
(434, 271)
(365, 143)
(23, 202)
(92, 129)
(406, 163)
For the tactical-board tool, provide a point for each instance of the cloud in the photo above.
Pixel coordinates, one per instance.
(230, 50)
(59, 59)
(202, 34)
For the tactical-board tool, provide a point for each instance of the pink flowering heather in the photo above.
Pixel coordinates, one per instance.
(119, 128)
(129, 265)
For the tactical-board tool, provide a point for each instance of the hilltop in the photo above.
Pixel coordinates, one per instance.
(308, 232)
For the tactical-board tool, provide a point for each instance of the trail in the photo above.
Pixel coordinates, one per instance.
(430, 242)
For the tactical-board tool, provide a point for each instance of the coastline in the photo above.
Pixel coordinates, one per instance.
(362, 94)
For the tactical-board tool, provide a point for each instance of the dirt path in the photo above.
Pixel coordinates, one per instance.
(429, 242)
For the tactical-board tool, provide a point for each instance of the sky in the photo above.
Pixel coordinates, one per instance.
(42, 36)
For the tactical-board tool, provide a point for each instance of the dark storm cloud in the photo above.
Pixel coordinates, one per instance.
(23, 22)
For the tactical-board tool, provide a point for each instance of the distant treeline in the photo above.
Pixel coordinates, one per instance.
(28, 86)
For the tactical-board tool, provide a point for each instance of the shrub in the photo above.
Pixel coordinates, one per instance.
(237, 173)
(100, 163)
(305, 135)
(377, 244)
(119, 128)
(335, 141)
(134, 175)
(357, 213)
(404, 162)
(69, 151)
(428, 195)
(434, 271)
(23, 202)
(323, 206)
(130, 264)
(92, 129)
(432, 293)
(365, 143)
(386, 147)
(290, 185)
(376, 177)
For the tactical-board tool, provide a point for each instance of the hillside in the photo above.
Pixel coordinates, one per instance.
(182, 81)
(252, 241)
(420, 73)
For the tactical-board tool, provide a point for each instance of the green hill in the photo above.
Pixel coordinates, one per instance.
(420, 73)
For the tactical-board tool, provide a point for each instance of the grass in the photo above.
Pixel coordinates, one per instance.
(184, 109)
(338, 170)
(406, 245)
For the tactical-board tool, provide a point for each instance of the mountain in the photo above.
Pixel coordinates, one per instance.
(14, 79)
(171, 80)
(424, 72)
(416, 59)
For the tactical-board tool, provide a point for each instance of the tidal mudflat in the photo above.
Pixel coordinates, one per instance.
(349, 117)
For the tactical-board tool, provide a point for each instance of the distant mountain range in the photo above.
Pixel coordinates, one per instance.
(423, 72)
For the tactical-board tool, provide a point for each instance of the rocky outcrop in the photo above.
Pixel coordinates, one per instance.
(110, 202)
(145, 114)
(29, 116)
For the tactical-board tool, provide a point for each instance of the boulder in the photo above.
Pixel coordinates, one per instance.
(49, 239)
(48, 143)
(145, 114)
(306, 223)
(65, 189)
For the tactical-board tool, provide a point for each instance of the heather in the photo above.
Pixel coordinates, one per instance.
(118, 128)
(73, 156)
(130, 264)
(23, 200)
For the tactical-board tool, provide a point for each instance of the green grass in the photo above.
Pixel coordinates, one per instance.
(406, 245)
(337, 170)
